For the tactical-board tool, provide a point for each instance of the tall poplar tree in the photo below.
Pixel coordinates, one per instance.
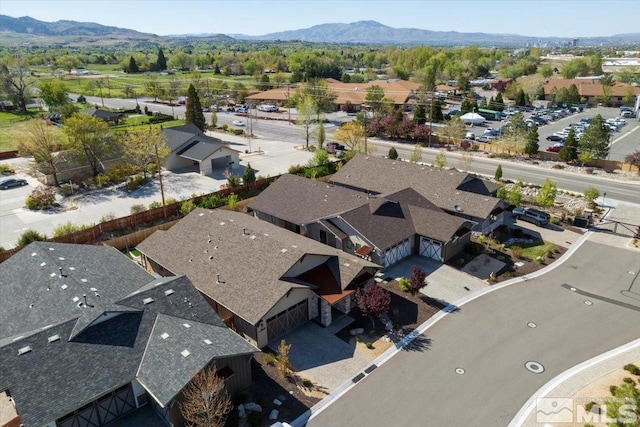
(194, 112)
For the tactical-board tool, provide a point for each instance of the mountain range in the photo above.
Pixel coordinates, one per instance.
(27, 29)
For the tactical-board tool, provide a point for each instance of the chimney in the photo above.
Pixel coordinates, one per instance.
(61, 273)
(217, 279)
(244, 231)
(85, 299)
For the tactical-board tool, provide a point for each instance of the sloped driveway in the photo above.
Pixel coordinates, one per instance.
(322, 357)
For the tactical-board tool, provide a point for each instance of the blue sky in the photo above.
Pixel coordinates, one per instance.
(561, 18)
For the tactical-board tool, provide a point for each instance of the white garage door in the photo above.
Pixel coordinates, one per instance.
(397, 252)
(430, 248)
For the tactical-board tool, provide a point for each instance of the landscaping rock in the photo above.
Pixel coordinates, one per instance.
(274, 415)
(241, 411)
(253, 407)
(277, 402)
(356, 331)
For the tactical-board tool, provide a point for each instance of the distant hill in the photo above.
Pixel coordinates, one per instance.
(27, 29)
(372, 32)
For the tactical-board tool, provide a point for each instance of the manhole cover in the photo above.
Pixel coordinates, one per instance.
(587, 302)
(534, 367)
(459, 371)
(531, 325)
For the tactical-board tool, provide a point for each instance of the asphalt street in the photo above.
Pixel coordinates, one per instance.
(469, 369)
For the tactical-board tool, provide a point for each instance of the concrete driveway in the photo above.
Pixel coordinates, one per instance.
(322, 357)
(444, 283)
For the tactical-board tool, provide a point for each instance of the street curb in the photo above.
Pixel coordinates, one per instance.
(384, 357)
(525, 411)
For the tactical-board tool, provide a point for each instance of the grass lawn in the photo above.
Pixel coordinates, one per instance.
(12, 127)
(533, 252)
(132, 254)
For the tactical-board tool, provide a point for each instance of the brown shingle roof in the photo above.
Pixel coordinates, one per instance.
(301, 201)
(249, 256)
(441, 187)
(589, 87)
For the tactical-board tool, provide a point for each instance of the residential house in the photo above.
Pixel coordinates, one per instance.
(87, 336)
(456, 193)
(348, 95)
(261, 279)
(191, 149)
(107, 116)
(592, 92)
(383, 228)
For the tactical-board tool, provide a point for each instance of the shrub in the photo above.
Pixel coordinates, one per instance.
(233, 180)
(588, 171)
(358, 338)
(608, 169)
(30, 236)
(68, 189)
(589, 406)
(369, 345)
(613, 389)
(475, 147)
(238, 132)
(41, 198)
(296, 169)
(518, 233)
(633, 369)
(628, 380)
(233, 202)
(283, 363)
(108, 217)
(152, 169)
(403, 283)
(307, 384)
(558, 166)
(212, 201)
(101, 180)
(269, 359)
(69, 228)
(6, 170)
(517, 251)
(155, 205)
(135, 182)
(137, 209)
(186, 207)
(551, 251)
(540, 260)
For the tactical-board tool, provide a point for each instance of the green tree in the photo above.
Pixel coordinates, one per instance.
(499, 102)
(435, 112)
(321, 137)
(306, 114)
(249, 175)
(633, 159)
(320, 158)
(161, 62)
(498, 174)
(420, 115)
(393, 153)
(352, 135)
(441, 160)
(140, 146)
(416, 154)
(16, 83)
(624, 406)
(532, 146)
(454, 131)
(68, 62)
(569, 151)
(596, 138)
(30, 236)
(546, 71)
(377, 101)
(89, 140)
(520, 99)
(590, 195)
(547, 194)
(54, 94)
(319, 92)
(193, 111)
(153, 88)
(41, 142)
(133, 66)
(514, 194)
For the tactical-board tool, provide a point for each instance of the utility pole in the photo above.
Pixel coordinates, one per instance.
(159, 168)
(289, 106)
(430, 119)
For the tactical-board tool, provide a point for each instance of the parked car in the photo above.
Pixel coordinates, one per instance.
(555, 148)
(334, 147)
(555, 137)
(627, 114)
(531, 215)
(241, 110)
(237, 123)
(12, 182)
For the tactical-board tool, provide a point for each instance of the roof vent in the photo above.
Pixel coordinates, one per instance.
(61, 258)
(169, 292)
(253, 237)
(186, 325)
(24, 350)
(53, 338)
(185, 353)
(208, 342)
(164, 336)
(34, 254)
(147, 301)
(43, 264)
(72, 268)
(64, 287)
(51, 249)
(346, 264)
(244, 231)
(75, 299)
(222, 223)
(210, 256)
(458, 208)
(283, 250)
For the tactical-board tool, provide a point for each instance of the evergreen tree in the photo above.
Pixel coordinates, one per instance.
(569, 152)
(216, 70)
(532, 146)
(193, 113)
(420, 115)
(520, 98)
(498, 175)
(499, 102)
(161, 63)
(249, 176)
(435, 112)
(540, 93)
(133, 66)
(596, 138)
(393, 153)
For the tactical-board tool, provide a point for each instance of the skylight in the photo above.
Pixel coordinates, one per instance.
(53, 338)
(164, 336)
(169, 292)
(208, 342)
(147, 301)
(185, 353)
(186, 325)
(24, 350)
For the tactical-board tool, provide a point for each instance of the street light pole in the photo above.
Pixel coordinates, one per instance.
(159, 168)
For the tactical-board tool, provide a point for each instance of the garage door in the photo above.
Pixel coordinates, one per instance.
(397, 252)
(102, 411)
(430, 248)
(287, 319)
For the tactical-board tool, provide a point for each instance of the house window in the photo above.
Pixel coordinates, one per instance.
(349, 244)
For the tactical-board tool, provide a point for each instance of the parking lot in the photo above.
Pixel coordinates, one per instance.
(626, 140)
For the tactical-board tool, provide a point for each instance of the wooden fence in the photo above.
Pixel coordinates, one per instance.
(108, 229)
